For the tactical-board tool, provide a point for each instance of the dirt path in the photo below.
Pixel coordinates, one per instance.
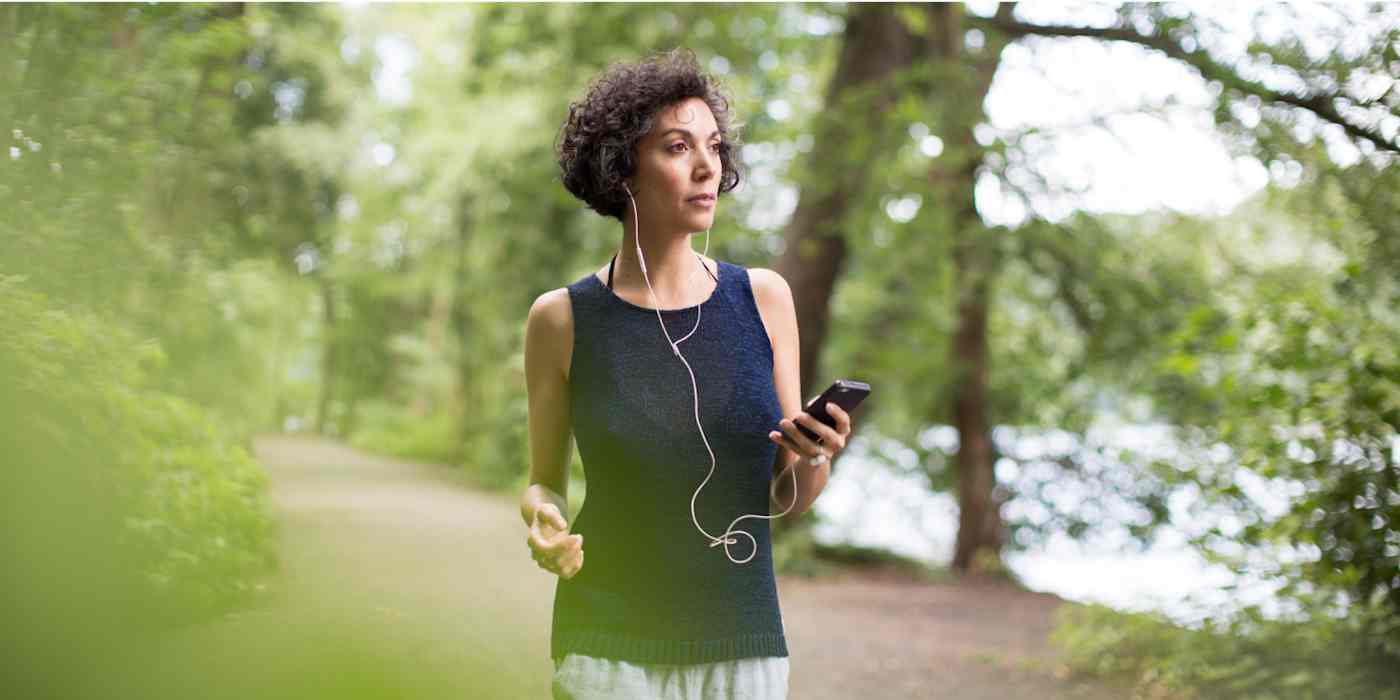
(441, 573)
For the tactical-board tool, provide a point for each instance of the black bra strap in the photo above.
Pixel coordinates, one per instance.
(707, 270)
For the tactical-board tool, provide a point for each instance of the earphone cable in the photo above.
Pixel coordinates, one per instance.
(726, 538)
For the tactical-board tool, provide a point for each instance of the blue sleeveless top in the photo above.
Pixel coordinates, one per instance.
(652, 589)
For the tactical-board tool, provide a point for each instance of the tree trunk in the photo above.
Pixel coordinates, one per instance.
(461, 327)
(977, 516)
(974, 268)
(875, 46)
(328, 353)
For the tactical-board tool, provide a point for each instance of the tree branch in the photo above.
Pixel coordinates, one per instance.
(1321, 104)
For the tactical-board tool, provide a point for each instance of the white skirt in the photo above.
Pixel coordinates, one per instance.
(579, 677)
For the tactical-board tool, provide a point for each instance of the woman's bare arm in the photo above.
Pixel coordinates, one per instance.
(548, 340)
(775, 306)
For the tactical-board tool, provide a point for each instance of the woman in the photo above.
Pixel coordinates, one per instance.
(679, 423)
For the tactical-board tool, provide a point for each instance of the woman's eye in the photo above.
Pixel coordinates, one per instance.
(681, 144)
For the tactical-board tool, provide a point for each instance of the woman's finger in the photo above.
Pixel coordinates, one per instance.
(565, 546)
(551, 543)
(571, 566)
(781, 438)
(843, 419)
(784, 441)
(828, 434)
(538, 541)
(549, 522)
(806, 446)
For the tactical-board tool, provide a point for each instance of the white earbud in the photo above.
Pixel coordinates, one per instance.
(725, 539)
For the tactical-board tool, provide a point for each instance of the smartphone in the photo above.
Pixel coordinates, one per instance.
(846, 393)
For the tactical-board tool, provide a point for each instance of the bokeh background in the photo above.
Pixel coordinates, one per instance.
(1123, 278)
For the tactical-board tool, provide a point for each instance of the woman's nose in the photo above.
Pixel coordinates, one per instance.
(708, 164)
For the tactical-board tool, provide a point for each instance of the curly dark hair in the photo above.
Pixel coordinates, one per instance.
(597, 144)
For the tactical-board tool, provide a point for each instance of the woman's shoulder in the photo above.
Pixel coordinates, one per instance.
(551, 324)
(767, 284)
(552, 307)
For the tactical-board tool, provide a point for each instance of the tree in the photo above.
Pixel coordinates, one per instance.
(979, 254)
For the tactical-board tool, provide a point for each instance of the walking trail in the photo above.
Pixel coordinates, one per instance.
(409, 557)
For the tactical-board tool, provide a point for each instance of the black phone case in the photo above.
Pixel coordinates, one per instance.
(846, 393)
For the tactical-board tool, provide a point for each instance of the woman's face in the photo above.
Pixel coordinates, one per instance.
(676, 161)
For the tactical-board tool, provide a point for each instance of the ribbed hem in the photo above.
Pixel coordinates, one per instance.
(611, 645)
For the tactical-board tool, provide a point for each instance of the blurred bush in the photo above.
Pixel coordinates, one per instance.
(1248, 657)
(388, 429)
(110, 483)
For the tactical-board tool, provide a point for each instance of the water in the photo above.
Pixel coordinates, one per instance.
(868, 503)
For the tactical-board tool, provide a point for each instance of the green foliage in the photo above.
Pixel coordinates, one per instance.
(128, 191)
(229, 182)
(203, 522)
(795, 552)
(391, 430)
(174, 502)
(1299, 361)
(1253, 659)
(437, 328)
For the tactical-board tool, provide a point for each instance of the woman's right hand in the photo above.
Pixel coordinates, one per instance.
(551, 545)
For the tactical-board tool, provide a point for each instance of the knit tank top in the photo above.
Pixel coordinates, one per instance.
(652, 589)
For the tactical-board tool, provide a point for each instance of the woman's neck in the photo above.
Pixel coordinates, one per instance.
(674, 269)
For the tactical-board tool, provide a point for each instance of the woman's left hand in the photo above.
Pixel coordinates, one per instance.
(830, 441)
